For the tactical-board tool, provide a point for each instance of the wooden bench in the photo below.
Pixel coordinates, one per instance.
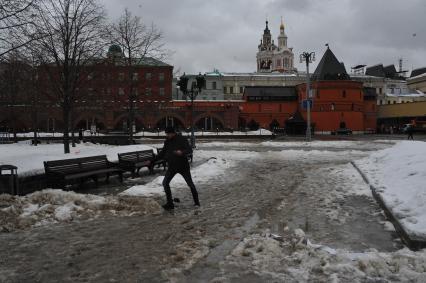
(135, 160)
(62, 172)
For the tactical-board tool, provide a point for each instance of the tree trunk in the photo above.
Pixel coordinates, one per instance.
(72, 130)
(66, 138)
(131, 122)
(35, 125)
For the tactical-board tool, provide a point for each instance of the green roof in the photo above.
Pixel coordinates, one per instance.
(115, 49)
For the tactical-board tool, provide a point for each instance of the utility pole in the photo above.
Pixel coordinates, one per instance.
(308, 57)
(196, 87)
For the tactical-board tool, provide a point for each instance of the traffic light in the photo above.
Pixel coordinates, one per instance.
(183, 83)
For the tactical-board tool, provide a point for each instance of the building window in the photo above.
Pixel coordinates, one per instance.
(380, 90)
(161, 77)
(90, 91)
(147, 91)
(344, 94)
(224, 89)
(135, 92)
(135, 76)
(121, 91)
(214, 85)
(241, 89)
(278, 62)
(121, 77)
(162, 92)
(231, 90)
(388, 102)
(148, 76)
(333, 106)
(214, 98)
(90, 76)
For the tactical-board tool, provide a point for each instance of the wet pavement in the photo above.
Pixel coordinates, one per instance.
(301, 187)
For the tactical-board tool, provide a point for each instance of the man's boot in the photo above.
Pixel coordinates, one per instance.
(168, 206)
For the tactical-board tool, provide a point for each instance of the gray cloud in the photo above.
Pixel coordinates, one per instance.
(224, 34)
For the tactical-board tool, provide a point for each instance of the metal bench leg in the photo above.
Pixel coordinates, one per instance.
(95, 179)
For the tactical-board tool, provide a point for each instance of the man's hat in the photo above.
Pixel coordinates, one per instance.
(170, 130)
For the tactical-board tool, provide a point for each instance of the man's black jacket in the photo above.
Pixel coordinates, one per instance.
(176, 162)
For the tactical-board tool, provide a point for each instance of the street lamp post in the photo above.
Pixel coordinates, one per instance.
(308, 57)
(196, 87)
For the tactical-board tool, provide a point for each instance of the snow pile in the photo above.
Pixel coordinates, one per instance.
(29, 159)
(293, 258)
(211, 133)
(52, 206)
(330, 144)
(399, 175)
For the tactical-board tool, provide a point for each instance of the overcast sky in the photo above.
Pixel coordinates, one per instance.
(224, 34)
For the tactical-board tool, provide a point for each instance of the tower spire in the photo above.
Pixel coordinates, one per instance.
(282, 24)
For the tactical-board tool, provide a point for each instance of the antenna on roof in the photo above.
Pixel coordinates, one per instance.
(401, 71)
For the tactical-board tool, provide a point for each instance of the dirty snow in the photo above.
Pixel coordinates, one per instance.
(399, 173)
(293, 258)
(55, 206)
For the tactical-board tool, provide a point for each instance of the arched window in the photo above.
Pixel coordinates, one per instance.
(286, 62)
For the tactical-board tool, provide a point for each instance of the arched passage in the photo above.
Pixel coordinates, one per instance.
(121, 123)
(209, 123)
(86, 122)
(171, 121)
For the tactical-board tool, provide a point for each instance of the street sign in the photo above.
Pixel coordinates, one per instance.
(306, 102)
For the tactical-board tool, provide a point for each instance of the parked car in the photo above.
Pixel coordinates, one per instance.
(343, 131)
(406, 127)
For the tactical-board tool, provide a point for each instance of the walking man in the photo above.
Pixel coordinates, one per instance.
(410, 131)
(175, 151)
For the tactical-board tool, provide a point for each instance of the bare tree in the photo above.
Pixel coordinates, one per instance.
(70, 36)
(138, 41)
(15, 15)
(13, 85)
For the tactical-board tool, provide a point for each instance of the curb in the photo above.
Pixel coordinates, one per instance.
(413, 243)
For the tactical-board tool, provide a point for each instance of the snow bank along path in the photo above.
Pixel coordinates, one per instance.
(29, 159)
(399, 176)
(293, 258)
(55, 206)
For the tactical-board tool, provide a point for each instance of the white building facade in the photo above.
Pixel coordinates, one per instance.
(273, 58)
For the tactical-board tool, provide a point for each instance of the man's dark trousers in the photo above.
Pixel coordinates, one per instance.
(186, 174)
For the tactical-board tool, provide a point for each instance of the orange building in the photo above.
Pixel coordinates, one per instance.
(338, 102)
